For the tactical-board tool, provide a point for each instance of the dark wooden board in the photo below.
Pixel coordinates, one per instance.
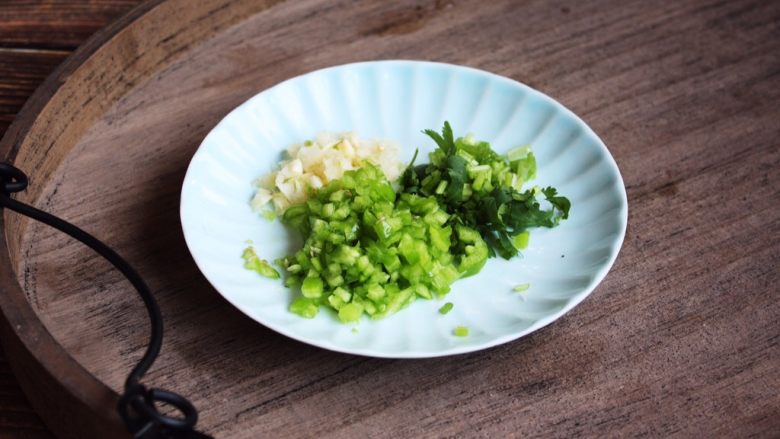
(55, 24)
(21, 71)
(681, 339)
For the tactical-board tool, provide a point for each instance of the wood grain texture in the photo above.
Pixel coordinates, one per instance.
(681, 339)
(55, 24)
(21, 71)
(35, 37)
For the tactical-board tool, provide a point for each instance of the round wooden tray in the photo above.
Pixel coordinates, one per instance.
(106, 141)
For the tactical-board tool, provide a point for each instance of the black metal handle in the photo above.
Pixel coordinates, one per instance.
(137, 405)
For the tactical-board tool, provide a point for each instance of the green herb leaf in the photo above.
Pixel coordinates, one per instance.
(448, 139)
(438, 139)
(482, 190)
(456, 171)
(409, 178)
(561, 203)
(444, 140)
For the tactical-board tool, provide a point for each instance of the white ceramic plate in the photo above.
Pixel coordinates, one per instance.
(396, 100)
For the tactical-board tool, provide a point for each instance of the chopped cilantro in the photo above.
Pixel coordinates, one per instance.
(483, 191)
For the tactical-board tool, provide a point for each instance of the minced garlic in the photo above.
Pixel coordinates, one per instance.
(314, 164)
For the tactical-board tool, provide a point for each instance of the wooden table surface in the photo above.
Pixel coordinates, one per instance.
(699, 268)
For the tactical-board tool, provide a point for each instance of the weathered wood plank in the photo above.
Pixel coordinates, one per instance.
(55, 24)
(21, 71)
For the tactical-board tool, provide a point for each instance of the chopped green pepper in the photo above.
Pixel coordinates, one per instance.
(522, 287)
(260, 266)
(461, 331)
(447, 307)
(368, 250)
